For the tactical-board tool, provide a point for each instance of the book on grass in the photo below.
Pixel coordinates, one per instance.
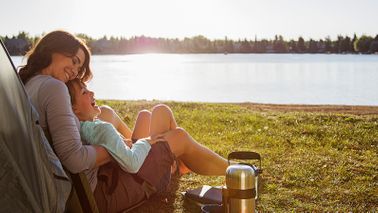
(205, 195)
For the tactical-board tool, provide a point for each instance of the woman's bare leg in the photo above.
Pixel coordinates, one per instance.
(196, 157)
(142, 125)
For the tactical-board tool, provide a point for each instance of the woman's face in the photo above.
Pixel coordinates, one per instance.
(65, 68)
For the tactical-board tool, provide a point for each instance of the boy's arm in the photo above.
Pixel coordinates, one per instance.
(110, 116)
(105, 134)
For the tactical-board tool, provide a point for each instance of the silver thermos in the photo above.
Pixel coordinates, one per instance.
(240, 193)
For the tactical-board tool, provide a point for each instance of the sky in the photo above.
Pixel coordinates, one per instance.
(214, 19)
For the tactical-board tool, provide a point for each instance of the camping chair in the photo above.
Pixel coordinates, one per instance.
(82, 199)
(27, 176)
(23, 158)
(29, 170)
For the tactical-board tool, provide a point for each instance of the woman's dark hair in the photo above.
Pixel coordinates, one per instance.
(40, 56)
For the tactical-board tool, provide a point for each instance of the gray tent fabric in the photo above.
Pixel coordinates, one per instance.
(32, 178)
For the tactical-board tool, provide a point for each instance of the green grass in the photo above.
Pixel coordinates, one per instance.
(311, 161)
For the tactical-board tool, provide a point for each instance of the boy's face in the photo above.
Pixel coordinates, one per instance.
(85, 106)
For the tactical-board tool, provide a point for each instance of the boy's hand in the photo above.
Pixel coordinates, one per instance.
(128, 142)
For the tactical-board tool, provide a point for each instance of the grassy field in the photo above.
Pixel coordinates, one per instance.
(312, 161)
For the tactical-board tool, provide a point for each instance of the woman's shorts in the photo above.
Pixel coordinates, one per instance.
(117, 190)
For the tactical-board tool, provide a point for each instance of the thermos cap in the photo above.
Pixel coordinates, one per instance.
(239, 176)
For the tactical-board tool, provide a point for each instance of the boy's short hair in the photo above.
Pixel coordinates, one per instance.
(71, 88)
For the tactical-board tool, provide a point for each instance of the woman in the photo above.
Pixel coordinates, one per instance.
(59, 57)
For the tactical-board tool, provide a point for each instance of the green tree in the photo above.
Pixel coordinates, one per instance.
(23, 35)
(345, 45)
(321, 46)
(338, 43)
(245, 47)
(374, 45)
(261, 46)
(229, 48)
(279, 45)
(328, 44)
(313, 46)
(292, 46)
(201, 44)
(362, 44)
(301, 45)
(84, 37)
(352, 43)
(348, 44)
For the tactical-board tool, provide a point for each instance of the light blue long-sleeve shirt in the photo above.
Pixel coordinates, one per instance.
(104, 134)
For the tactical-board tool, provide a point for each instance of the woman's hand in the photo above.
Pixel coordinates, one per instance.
(168, 135)
(102, 155)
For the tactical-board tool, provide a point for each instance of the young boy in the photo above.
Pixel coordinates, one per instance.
(97, 132)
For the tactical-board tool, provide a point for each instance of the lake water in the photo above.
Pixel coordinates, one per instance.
(261, 78)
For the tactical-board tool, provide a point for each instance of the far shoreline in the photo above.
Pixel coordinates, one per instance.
(318, 108)
(345, 109)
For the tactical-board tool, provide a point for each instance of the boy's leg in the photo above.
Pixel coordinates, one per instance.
(163, 120)
(142, 126)
(192, 155)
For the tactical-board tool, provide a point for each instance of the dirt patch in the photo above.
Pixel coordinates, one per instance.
(355, 110)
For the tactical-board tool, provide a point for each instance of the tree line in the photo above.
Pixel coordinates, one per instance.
(21, 43)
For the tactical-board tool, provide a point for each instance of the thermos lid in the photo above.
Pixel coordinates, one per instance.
(239, 176)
